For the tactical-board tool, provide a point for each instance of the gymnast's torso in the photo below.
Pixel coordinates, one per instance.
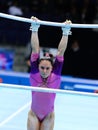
(43, 103)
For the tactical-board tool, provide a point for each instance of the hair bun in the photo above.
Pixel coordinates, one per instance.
(48, 55)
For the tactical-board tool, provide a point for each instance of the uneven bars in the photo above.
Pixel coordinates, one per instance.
(48, 90)
(47, 23)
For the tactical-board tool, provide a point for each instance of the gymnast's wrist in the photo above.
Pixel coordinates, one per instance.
(66, 32)
(34, 27)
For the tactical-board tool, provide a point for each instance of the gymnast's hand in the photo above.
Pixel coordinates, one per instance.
(34, 18)
(68, 22)
(34, 25)
(66, 29)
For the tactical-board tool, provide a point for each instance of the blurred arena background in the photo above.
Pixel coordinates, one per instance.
(82, 51)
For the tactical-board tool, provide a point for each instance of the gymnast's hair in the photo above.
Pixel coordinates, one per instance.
(47, 56)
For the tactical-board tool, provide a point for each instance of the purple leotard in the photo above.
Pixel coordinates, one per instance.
(43, 103)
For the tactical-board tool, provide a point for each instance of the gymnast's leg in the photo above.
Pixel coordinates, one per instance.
(48, 122)
(32, 122)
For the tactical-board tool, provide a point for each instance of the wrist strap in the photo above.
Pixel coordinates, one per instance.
(65, 33)
(66, 30)
(34, 27)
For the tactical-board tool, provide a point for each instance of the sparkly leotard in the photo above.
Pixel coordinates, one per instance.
(43, 103)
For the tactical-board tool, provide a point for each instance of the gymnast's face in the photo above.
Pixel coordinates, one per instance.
(45, 68)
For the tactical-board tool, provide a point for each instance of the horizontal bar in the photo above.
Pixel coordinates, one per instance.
(47, 23)
(49, 90)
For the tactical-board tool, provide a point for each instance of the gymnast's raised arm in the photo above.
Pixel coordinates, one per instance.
(34, 36)
(64, 40)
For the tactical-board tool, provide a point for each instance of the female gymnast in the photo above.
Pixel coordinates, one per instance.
(45, 72)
